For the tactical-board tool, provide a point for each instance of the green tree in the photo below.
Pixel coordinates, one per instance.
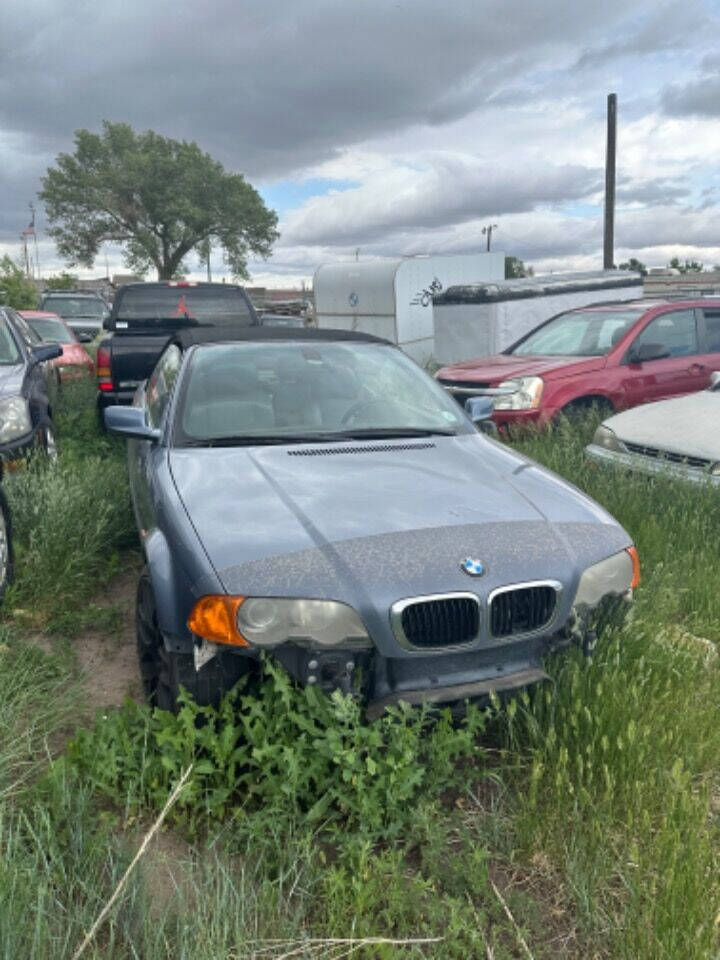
(15, 288)
(514, 268)
(634, 264)
(61, 281)
(158, 198)
(690, 266)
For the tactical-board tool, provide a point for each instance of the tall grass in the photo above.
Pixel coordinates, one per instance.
(71, 518)
(622, 757)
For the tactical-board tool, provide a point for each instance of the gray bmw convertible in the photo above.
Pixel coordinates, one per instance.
(315, 495)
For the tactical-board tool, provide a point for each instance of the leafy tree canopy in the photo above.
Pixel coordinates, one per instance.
(634, 264)
(61, 281)
(15, 288)
(158, 198)
(514, 268)
(690, 266)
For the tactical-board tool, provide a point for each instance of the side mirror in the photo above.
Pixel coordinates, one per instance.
(648, 351)
(129, 422)
(480, 410)
(85, 337)
(107, 323)
(45, 351)
(715, 380)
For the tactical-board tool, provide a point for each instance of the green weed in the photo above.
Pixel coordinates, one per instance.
(283, 754)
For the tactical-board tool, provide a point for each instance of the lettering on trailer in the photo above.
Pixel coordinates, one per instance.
(424, 297)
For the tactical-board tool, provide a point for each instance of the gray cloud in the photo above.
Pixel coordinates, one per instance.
(699, 98)
(448, 190)
(671, 26)
(655, 192)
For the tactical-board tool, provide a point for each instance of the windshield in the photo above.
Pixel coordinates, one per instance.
(198, 304)
(582, 333)
(280, 392)
(74, 307)
(9, 353)
(51, 330)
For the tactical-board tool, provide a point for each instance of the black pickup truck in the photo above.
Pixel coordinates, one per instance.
(145, 315)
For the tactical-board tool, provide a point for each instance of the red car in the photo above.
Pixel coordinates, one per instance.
(75, 361)
(613, 355)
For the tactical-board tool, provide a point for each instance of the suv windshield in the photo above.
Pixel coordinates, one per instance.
(290, 391)
(51, 330)
(196, 304)
(581, 333)
(9, 353)
(71, 307)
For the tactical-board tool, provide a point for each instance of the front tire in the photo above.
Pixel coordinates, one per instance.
(6, 554)
(46, 440)
(164, 671)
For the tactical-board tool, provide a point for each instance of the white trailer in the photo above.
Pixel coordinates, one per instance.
(394, 298)
(479, 320)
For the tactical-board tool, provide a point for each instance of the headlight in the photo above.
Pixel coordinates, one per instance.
(606, 438)
(14, 419)
(615, 576)
(269, 621)
(526, 394)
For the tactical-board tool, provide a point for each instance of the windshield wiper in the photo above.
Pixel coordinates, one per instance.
(248, 440)
(387, 433)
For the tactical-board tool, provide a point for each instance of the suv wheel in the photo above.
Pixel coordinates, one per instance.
(46, 440)
(164, 672)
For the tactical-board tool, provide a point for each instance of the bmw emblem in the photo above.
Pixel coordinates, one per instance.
(473, 567)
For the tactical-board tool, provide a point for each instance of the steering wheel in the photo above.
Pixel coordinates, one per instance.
(384, 405)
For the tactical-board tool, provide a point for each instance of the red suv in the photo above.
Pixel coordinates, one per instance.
(612, 355)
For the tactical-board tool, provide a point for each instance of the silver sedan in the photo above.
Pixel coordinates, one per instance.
(679, 437)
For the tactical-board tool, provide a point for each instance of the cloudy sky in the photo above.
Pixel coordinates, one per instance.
(392, 126)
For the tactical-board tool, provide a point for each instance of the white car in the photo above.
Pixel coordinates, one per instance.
(679, 437)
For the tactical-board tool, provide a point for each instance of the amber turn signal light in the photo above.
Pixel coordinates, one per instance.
(215, 619)
(636, 567)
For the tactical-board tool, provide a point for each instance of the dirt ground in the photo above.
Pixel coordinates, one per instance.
(108, 661)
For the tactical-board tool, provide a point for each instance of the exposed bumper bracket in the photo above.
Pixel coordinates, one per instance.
(465, 691)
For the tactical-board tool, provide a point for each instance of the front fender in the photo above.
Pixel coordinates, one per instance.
(175, 591)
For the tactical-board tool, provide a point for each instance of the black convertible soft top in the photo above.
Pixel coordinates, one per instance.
(198, 335)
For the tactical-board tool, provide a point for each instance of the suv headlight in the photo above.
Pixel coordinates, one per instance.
(14, 419)
(607, 439)
(526, 394)
(615, 576)
(269, 621)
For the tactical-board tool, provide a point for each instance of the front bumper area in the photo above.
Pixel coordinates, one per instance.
(450, 679)
(16, 453)
(648, 465)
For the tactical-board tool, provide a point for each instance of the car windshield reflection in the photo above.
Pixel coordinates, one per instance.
(297, 392)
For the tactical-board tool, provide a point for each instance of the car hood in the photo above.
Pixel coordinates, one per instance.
(11, 380)
(502, 366)
(369, 524)
(687, 425)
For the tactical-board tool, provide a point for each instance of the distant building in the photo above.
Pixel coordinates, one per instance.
(667, 282)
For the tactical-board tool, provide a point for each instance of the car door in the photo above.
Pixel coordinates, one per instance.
(710, 339)
(680, 369)
(42, 377)
(154, 397)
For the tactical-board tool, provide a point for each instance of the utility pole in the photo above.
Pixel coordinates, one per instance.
(609, 238)
(487, 231)
(32, 224)
(209, 272)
